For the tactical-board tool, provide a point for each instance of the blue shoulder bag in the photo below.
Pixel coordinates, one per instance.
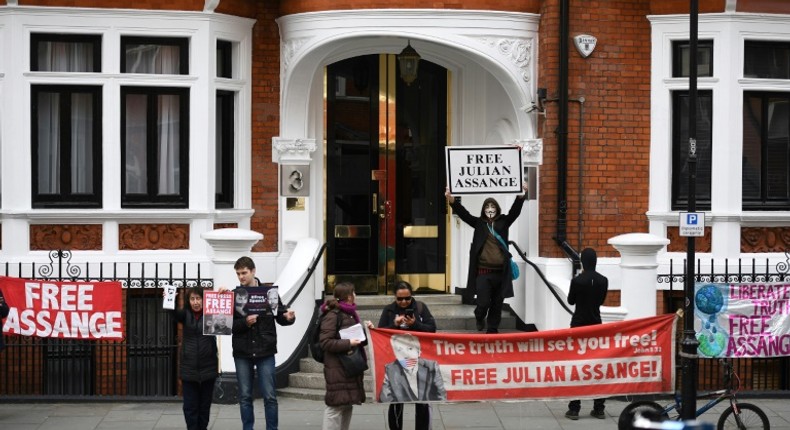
(513, 266)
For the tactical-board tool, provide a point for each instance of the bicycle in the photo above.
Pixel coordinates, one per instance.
(737, 416)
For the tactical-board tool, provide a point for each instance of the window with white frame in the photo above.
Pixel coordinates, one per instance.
(680, 127)
(66, 137)
(766, 129)
(53, 52)
(225, 111)
(155, 125)
(155, 147)
(225, 124)
(155, 55)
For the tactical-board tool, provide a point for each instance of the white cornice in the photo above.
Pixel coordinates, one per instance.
(426, 17)
(85, 216)
(77, 12)
(710, 18)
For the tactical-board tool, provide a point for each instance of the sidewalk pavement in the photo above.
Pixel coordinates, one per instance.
(307, 414)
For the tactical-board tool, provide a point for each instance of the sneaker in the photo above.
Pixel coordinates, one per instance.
(598, 414)
(572, 415)
(481, 324)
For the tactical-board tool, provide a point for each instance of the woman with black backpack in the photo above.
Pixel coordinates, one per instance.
(343, 391)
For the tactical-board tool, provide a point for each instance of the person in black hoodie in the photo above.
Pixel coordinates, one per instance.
(490, 276)
(406, 313)
(198, 361)
(588, 292)
(4, 310)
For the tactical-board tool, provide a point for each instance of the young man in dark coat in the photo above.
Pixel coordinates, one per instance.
(254, 346)
(588, 292)
(490, 276)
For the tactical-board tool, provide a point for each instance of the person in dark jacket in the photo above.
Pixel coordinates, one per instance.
(254, 346)
(490, 276)
(342, 392)
(588, 292)
(198, 361)
(4, 310)
(406, 313)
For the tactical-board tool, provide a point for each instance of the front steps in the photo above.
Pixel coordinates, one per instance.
(448, 311)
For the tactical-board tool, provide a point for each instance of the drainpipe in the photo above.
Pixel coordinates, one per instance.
(562, 141)
(580, 223)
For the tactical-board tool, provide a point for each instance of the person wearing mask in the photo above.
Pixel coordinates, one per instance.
(4, 310)
(342, 392)
(588, 292)
(199, 363)
(254, 346)
(489, 275)
(408, 314)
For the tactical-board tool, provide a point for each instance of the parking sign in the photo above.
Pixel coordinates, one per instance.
(692, 224)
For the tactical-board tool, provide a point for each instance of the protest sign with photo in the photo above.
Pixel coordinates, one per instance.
(742, 320)
(257, 300)
(65, 310)
(217, 313)
(620, 358)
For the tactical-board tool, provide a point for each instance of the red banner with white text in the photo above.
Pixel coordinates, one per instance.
(619, 358)
(65, 310)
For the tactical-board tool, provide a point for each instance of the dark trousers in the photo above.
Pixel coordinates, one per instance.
(576, 405)
(422, 419)
(197, 403)
(489, 299)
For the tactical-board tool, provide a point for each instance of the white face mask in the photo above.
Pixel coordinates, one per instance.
(490, 211)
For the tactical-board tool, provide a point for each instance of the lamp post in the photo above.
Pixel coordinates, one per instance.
(688, 355)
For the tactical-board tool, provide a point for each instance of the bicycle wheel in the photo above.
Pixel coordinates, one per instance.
(751, 417)
(646, 408)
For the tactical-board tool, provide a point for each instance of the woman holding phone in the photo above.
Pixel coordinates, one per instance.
(406, 313)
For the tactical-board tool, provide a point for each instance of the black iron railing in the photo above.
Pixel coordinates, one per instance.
(143, 364)
(756, 374)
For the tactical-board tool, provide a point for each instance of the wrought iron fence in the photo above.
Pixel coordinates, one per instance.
(755, 374)
(144, 364)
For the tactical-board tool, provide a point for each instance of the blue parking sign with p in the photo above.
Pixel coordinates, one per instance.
(692, 224)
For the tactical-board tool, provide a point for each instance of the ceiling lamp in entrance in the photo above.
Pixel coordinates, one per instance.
(409, 60)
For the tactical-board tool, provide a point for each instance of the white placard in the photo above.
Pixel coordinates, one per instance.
(484, 170)
(170, 297)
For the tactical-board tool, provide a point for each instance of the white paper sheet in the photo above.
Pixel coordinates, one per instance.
(354, 332)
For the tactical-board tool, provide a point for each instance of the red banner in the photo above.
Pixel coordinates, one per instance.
(620, 358)
(66, 310)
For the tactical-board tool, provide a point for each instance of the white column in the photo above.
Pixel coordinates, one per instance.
(228, 245)
(639, 268)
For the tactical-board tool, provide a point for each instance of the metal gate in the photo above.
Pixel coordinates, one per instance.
(144, 364)
(756, 374)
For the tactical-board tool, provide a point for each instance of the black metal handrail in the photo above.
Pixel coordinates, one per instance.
(523, 256)
(309, 274)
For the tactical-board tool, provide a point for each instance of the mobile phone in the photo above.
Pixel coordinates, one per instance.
(409, 312)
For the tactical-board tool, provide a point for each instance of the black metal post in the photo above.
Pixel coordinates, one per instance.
(689, 344)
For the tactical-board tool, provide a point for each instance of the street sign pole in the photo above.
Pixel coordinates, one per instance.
(688, 355)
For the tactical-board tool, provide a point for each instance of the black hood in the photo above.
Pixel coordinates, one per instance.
(589, 259)
(483, 208)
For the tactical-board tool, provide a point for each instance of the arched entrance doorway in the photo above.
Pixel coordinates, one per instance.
(385, 210)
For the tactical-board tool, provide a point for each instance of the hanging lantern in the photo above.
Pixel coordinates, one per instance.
(408, 60)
